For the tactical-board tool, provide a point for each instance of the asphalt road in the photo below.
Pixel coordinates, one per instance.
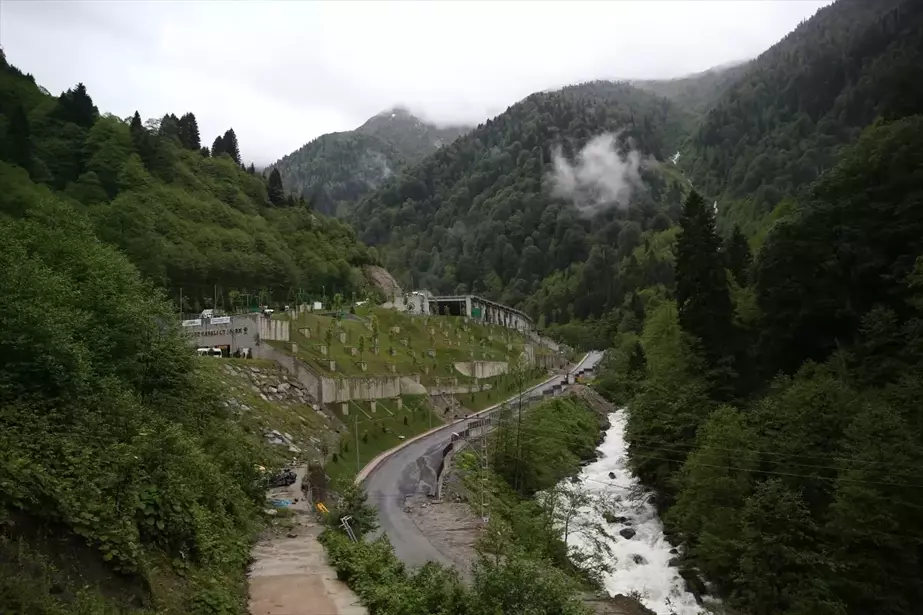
(412, 470)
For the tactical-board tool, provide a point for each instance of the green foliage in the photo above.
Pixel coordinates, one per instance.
(200, 224)
(702, 296)
(351, 502)
(848, 248)
(545, 445)
(107, 428)
(780, 124)
(518, 585)
(478, 215)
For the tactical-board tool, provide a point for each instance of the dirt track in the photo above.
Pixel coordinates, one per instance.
(290, 574)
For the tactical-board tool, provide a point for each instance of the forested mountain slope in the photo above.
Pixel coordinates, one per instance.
(482, 215)
(780, 125)
(125, 485)
(345, 166)
(187, 219)
(696, 93)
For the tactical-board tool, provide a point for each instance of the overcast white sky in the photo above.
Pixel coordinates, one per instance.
(282, 73)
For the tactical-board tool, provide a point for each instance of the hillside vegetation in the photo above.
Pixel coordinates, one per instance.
(781, 124)
(478, 215)
(188, 220)
(699, 92)
(776, 416)
(771, 370)
(124, 486)
(128, 482)
(341, 167)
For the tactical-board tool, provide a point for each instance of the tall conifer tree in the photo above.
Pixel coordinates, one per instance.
(276, 192)
(702, 296)
(231, 147)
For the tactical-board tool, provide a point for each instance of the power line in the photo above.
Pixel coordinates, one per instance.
(670, 448)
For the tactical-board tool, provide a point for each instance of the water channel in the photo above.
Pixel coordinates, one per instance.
(640, 564)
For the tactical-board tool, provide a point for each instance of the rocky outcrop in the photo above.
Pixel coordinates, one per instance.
(271, 402)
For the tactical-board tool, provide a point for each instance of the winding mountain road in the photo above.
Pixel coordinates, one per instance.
(411, 470)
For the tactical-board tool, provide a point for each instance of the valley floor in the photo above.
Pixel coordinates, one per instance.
(290, 574)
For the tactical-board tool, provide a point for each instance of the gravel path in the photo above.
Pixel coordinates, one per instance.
(290, 574)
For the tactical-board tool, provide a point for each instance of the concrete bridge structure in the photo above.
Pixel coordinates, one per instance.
(480, 309)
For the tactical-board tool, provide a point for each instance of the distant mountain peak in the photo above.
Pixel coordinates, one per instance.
(395, 112)
(347, 165)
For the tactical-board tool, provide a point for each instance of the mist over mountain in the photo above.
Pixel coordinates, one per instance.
(342, 167)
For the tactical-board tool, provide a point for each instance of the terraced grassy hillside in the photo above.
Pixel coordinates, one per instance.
(378, 342)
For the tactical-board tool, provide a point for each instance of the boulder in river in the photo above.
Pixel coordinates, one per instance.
(627, 533)
(612, 475)
(638, 559)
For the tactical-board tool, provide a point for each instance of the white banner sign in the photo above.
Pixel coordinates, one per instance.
(220, 320)
(197, 322)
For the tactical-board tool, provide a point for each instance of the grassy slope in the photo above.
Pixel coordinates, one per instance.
(444, 334)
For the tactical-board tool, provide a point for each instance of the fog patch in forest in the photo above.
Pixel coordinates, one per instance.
(601, 176)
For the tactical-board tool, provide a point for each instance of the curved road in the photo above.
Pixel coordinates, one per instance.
(412, 470)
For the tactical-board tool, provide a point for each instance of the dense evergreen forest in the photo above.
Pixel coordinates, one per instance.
(337, 169)
(478, 215)
(780, 125)
(189, 217)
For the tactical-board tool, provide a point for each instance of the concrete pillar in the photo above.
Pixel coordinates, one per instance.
(344, 408)
(372, 405)
(467, 306)
(400, 402)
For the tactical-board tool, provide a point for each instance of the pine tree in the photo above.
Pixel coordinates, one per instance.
(737, 256)
(231, 147)
(139, 136)
(76, 106)
(218, 147)
(276, 192)
(169, 127)
(20, 138)
(702, 297)
(205, 152)
(251, 169)
(189, 132)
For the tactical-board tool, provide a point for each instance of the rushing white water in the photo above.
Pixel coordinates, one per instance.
(640, 565)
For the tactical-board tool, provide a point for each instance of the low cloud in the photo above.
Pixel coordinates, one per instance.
(600, 177)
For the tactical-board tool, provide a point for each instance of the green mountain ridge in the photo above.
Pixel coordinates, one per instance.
(344, 166)
(782, 122)
(477, 216)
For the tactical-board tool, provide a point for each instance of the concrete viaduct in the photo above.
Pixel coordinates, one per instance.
(481, 309)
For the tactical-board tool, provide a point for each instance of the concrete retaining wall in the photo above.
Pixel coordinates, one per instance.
(457, 389)
(271, 329)
(370, 387)
(482, 369)
(325, 389)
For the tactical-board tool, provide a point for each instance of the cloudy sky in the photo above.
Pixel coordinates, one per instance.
(282, 73)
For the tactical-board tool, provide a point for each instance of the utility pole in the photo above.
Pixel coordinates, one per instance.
(518, 428)
(356, 423)
(180, 303)
(486, 468)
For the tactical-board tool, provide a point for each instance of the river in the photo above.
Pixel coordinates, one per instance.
(640, 565)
